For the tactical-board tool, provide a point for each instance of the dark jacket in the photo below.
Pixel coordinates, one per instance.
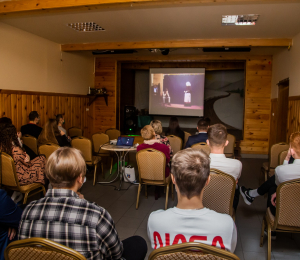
(31, 129)
(194, 139)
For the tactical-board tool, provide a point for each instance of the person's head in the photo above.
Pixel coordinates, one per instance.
(202, 125)
(34, 117)
(295, 145)
(66, 168)
(49, 132)
(8, 138)
(4, 121)
(60, 119)
(147, 132)
(207, 119)
(190, 172)
(217, 136)
(156, 125)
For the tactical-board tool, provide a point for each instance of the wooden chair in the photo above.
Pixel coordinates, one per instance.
(98, 140)
(10, 179)
(152, 164)
(191, 251)
(229, 149)
(202, 146)
(40, 248)
(85, 146)
(186, 137)
(268, 168)
(287, 217)
(282, 156)
(175, 142)
(75, 131)
(113, 133)
(31, 142)
(48, 149)
(219, 193)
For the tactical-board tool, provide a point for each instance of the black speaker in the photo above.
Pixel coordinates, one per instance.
(130, 120)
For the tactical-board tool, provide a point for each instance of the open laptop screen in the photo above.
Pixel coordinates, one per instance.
(125, 141)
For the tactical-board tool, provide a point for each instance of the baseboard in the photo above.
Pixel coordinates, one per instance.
(257, 156)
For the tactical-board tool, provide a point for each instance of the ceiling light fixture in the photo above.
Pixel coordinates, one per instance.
(242, 19)
(85, 27)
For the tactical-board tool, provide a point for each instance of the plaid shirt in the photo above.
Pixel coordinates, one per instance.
(63, 217)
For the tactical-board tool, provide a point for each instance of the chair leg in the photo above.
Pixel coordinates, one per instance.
(146, 194)
(111, 164)
(172, 191)
(103, 175)
(44, 190)
(25, 198)
(269, 242)
(262, 235)
(95, 175)
(138, 196)
(167, 194)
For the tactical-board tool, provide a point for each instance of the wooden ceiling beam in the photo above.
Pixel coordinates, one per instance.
(178, 44)
(20, 6)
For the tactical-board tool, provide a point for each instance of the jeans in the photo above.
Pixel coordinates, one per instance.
(269, 187)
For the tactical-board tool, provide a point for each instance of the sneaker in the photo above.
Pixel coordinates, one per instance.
(273, 234)
(245, 194)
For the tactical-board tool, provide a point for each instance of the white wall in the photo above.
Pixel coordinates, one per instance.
(31, 63)
(286, 64)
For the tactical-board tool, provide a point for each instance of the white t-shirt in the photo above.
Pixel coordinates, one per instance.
(287, 172)
(230, 166)
(175, 226)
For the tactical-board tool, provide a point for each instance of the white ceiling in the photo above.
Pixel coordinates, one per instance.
(169, 23)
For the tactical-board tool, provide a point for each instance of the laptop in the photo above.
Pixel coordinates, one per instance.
(125, 142)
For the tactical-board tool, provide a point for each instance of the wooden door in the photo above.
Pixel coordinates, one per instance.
(282, 111)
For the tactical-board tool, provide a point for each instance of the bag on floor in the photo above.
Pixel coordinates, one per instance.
(129, 173)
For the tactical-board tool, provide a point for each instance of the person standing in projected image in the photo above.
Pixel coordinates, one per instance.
(174, 128)
(188, 94)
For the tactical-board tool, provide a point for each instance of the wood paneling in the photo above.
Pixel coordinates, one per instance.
(293, 116)
(18, 104)
(273, 123)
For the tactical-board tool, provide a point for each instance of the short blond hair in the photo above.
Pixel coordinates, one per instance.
(156, 124)
(295, 142)
(64, 166)
(147, 132)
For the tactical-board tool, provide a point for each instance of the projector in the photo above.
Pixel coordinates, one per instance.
(113, 142)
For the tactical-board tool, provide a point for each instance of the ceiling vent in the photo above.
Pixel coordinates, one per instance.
(242, 19)
(85, 27)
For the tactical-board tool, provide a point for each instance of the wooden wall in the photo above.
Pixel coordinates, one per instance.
(293, 124)
(18, 104)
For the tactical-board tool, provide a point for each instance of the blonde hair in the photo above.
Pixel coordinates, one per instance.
(49, 132)
(147, 132)
(64, 166)
(156, 124)
(295, 142)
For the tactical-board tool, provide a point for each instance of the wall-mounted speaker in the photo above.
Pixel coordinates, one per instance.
(130, 120)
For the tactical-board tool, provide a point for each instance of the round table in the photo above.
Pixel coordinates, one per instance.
(121, 153)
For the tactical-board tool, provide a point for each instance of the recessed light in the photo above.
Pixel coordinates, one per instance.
(242, 19)
(85, 27)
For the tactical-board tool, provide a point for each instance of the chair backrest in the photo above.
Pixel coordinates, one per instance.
(40, 248)
(175, 142)
(48, 149)
(31, 142)
(202, 146)
(75, 131)
(98, 140)
(282, 156)
(275, 150)
(287, 204)
(151, 164)
(219, 193)
(186, 137)
(9, 175)
(113, 133)
(85, 146)
(229, 149)
(191, 251)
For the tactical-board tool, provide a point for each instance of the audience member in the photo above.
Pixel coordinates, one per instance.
(190, 221)
(285, 172)
(202, 127)
(174, 128)
(150, 141)
(10, 216)
(217, 140)
(51, 134)
(32, 128)
(64, 216)
(28, 171)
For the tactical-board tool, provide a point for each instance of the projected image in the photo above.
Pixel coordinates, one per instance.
(180, 94)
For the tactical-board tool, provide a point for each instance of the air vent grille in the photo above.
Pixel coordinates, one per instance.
(85, 27)
(242, 19)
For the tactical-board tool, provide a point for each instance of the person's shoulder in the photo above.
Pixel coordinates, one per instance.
(3, 194)
(234, 161)
(220, 217)
(159, 214)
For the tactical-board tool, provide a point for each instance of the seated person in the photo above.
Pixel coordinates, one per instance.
(64, 216)
(51, 134)
(202, 127)
(32, 128)
(190, 221)
(217, 140)
(10, 216)
(285, 172)
(60, 120)
(174, 128)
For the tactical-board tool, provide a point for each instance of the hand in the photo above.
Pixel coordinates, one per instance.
(69, 138)
(11, 233)
(27, 158)
(80, 195)
(19, 134)
(273, 199)
(289, 154)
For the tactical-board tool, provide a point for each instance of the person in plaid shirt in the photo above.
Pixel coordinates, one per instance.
(65, 217)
